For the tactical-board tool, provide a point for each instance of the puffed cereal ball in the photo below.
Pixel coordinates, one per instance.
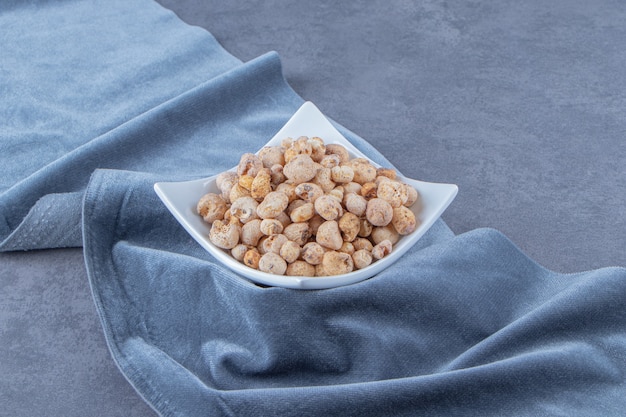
(272, 205)
(272, 263)
(339, 150)
(366, 228)
(328, 207)
(276, 175)
(271, 155)
(251, 232)
(252, 258)
(330, 161)
(298, 232)
(318, 148)
(224, 235)
(393, 192)
(342, 174)
(290, 251)
(347, 247)
(300, 269)
(335, 263)
(364, 171)
(261, 184)
(386, 172)
(329, 236)
(404, 220)
(355, 204)
(369, 190)
(302, 213)
(239, 251)
(379, 212)
(237, 192)
(271, 227)
(249, 164)
(362, 243)
(362, 258)
(352, 187)
(312, 253)
(309, 191)
(380, 233)
(245, 181)
(212, 207)
(382, 249)
(349, 224)
(300, 169)
(225, 182)
(413, 196)
(244, 209)
(300, 146)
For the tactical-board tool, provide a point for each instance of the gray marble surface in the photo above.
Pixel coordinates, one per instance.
(519, 103)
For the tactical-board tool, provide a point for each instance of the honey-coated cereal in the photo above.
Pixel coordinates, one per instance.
(306, 208)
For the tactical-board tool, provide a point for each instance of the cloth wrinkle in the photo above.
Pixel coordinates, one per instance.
(111, 146)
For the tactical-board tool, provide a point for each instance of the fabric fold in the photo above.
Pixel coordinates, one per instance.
(462, 324)
(54, 221)
(136, 144)
(109, 78)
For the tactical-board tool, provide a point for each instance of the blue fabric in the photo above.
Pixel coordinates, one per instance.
(461, 325)
(109, 78)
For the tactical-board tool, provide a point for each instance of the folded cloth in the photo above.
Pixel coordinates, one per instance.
(66, 84)
(461, 325)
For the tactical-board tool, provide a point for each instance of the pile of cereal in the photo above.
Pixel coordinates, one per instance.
(306, 208)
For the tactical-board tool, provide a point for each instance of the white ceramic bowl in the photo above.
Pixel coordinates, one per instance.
(181, 199)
